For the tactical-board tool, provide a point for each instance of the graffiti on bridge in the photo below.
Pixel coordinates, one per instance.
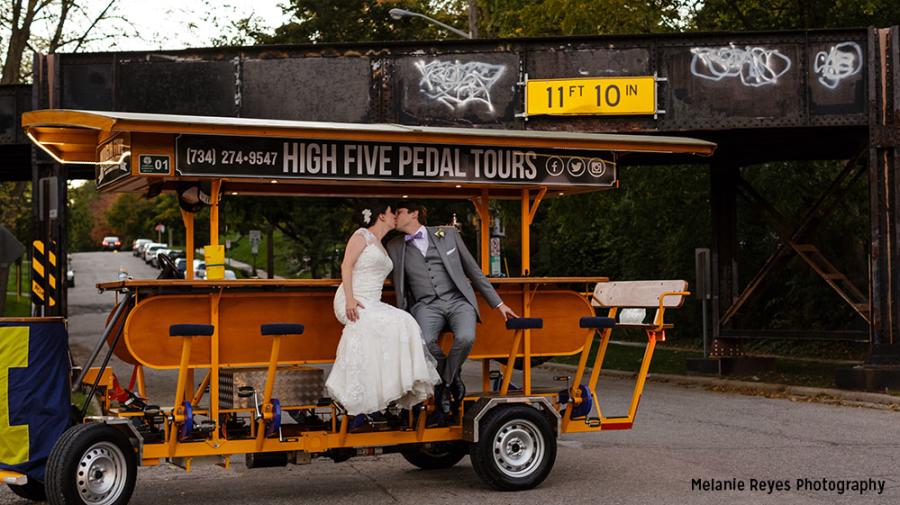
(838, 63)
(755, 66)
(456, 84)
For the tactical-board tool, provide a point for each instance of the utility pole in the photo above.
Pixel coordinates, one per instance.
(473, 18)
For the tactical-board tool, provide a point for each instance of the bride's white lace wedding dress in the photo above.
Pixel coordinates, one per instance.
(381, 358)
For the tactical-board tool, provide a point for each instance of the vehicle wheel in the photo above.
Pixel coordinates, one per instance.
(92, 464)
(516, 448)
(32, 490)
(436, 455)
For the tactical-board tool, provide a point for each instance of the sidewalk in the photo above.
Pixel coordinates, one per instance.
(240, 265)
(824, 395)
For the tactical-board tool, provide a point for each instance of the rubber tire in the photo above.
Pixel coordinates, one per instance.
(32, 490)
(482, 452)
(67, 452)
(435, 456)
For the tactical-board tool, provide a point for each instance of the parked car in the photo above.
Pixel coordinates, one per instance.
(136, 246)
(111, 243)
(151, 250)
(142, 249)
(199, 269)
(173, 254)
(154, 259)
(181, 265)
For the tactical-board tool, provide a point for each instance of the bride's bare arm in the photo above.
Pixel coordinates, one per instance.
(355, 247)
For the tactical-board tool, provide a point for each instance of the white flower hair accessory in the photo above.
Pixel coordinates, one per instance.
(367, 215)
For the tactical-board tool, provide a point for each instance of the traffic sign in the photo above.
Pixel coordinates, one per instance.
(255, 236)
(614, 96)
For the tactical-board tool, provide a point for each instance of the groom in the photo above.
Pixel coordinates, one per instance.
(432, 274)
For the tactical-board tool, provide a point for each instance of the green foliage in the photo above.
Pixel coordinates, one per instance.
(15, 209)
(791, 14)
(130, 217)
(317, 228)
(794, 296)
(360, 21)
(133, 216)
(529, 18)
(80, 218)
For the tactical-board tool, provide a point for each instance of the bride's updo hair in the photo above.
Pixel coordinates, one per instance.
(368, 211)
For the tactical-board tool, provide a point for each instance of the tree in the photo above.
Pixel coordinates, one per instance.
(48, 26)
(792, 15)
(362, 21)
(528, 18)
(80, 218)
(15, 215)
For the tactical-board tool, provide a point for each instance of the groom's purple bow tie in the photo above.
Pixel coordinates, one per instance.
(414, 237)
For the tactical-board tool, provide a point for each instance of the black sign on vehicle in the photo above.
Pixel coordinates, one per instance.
(206, 155)
(155, 164)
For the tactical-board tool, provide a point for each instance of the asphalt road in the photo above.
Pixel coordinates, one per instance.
(681, 434)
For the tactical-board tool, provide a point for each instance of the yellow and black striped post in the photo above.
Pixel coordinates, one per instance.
(43, 274)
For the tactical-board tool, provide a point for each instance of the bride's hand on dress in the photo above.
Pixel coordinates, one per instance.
(352, 310)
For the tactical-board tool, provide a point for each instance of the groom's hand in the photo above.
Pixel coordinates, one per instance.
(506, 312)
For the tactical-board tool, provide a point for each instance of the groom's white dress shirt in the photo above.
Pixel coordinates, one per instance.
(422, 242)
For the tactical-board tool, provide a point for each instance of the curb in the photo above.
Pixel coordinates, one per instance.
(882, 400)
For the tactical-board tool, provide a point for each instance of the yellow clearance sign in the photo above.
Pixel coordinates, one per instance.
(614, 96)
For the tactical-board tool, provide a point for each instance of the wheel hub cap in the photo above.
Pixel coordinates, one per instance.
(100, 476)
(518, 448)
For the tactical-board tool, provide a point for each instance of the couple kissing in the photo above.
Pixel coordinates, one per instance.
(389, 356)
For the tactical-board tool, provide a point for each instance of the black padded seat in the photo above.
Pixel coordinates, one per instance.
(281, 329)
(524, 323)
(597, 322)
(191, 330)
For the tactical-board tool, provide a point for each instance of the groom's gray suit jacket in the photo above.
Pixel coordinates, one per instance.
(461, 268)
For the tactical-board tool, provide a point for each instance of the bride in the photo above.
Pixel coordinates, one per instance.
(381, 358)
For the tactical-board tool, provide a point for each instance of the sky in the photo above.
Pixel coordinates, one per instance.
(174, 24)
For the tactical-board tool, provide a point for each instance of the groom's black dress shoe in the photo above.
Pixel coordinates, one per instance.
(442, 399)
(437, 419)
(458, 390)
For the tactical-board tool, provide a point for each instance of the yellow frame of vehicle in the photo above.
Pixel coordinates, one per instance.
(114, 140)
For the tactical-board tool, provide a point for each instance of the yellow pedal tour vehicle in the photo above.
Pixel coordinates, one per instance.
(259, 344)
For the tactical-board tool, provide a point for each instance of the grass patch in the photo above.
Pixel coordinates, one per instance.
(628, 358)
(285, 263)
(26, 278)
(17, 307)
(674, 361)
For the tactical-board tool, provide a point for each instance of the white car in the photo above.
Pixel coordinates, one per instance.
(199, 269)
(138, 243)
(151, 250)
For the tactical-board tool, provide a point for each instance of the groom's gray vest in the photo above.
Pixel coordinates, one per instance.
(447, 269)
(428, 278)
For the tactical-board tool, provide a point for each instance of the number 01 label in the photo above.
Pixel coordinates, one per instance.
(591, 96)
(155, 164)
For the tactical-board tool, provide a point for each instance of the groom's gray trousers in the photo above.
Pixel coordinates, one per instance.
(433, 317)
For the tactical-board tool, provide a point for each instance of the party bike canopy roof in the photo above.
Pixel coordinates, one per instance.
(154, 152)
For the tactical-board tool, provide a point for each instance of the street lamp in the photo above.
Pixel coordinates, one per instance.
(399, 14)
